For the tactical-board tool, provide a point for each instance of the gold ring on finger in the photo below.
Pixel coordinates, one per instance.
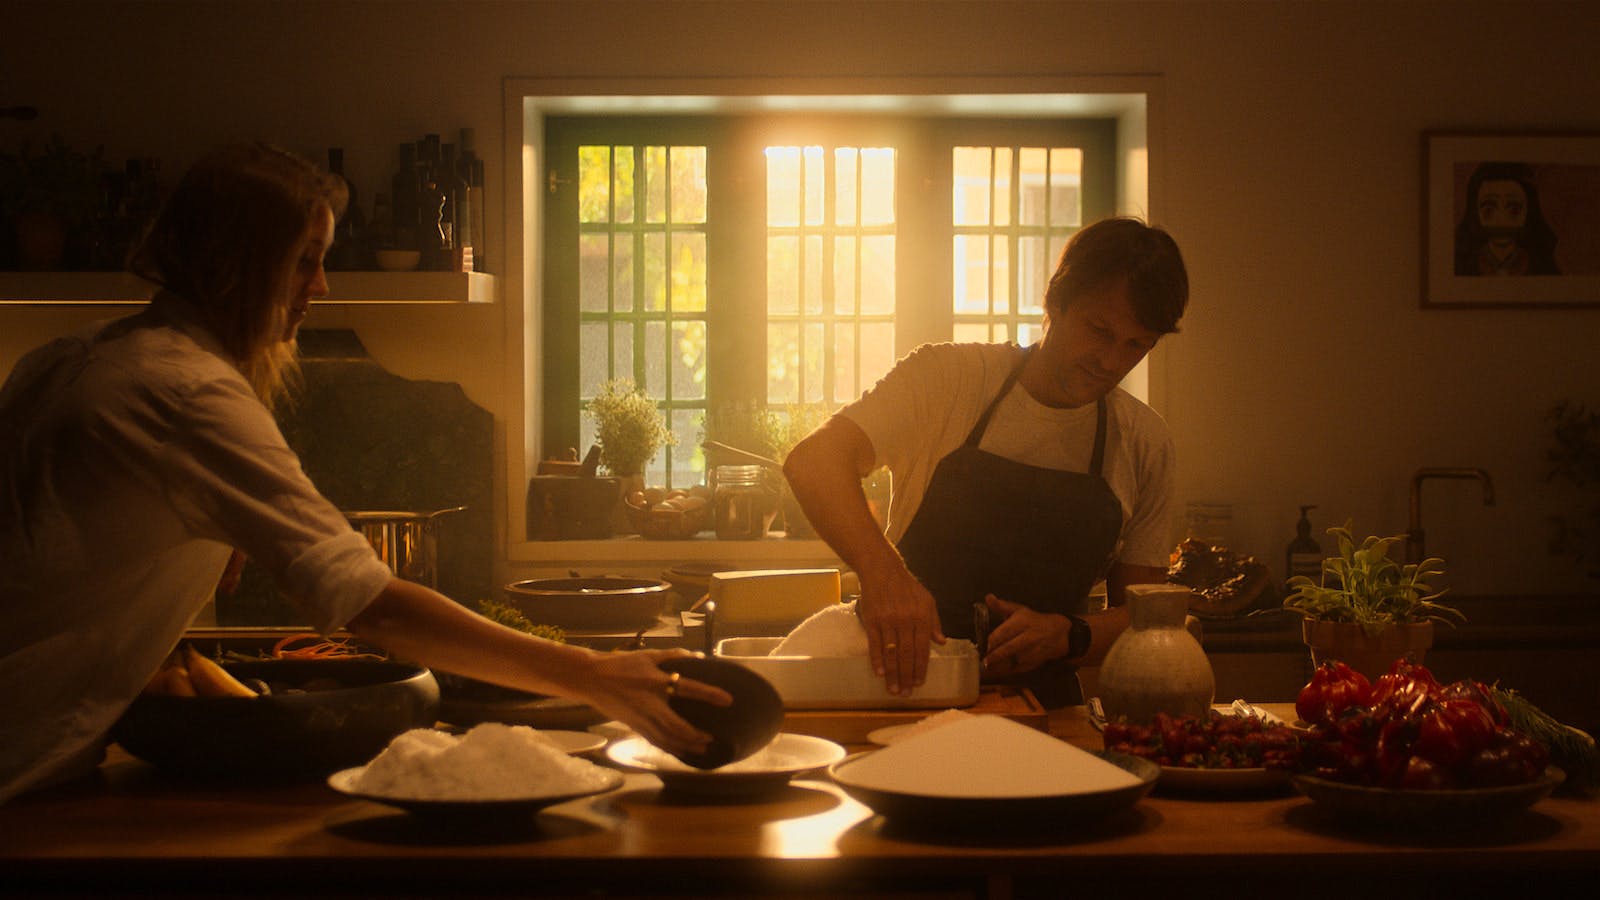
(890, 646)
(672, 683)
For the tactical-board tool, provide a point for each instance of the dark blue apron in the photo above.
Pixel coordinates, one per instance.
(1036, 536)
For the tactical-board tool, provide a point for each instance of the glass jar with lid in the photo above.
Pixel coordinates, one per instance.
(745, 500)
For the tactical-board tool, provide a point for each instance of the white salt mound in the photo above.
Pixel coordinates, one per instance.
(490, 762)
(985, 756)
(831, 632)
(936, 720)
(835, 632)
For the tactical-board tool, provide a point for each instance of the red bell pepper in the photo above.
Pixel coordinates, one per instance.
(1334, 688)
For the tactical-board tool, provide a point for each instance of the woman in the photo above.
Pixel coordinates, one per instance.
(135, 456)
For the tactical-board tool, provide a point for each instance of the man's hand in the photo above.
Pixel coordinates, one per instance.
(901, 619)
(1025, 638)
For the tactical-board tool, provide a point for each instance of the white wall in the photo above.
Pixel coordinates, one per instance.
(1305, 373)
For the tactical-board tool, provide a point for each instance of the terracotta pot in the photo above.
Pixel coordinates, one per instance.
(1371, 655)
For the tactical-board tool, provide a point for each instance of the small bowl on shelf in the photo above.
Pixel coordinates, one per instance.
(398, 260)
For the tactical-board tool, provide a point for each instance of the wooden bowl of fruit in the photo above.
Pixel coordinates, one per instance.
(669, 515)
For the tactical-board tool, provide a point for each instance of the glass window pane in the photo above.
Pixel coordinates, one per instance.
(594, 184)
(621, 353)
(1033, 271)
(783, 275)
(1030, 333)
(877, 355)
(622, 273)
(655, 359)
(593, 284)
(813, 282)
(655, 174)
(688, 272)
(689, 360)
(688, 459)
(783, 186)
(970, 186)
(815, 184)
(624, 183)
(877, 186)
(1066, 180)
(1032, 163)
(844, 362)
(815, 350)
(846, 176)
(688, 184)
(877, 274)
(783, 362)
(971, 276)
(655, 272)
(593, 357)
(1000, 277)
(844, 275)
(1002, 185)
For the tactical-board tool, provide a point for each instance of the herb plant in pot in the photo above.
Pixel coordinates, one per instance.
(1369, 610)
(629, 429)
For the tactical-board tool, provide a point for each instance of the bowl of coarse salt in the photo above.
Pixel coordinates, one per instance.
(491, 771)
(986, 772)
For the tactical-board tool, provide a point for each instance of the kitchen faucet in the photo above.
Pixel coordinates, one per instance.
(1414, 536)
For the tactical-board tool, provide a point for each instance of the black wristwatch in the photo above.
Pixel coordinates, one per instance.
(1078, 639)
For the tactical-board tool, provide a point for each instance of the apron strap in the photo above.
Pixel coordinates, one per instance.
(1099, 458)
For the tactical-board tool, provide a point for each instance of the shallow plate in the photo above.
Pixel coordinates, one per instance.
(1190, 780)
(888, 734)
(1049, 811)
(768, 769)
(574, 743)
(1451, 808)
(344, 782)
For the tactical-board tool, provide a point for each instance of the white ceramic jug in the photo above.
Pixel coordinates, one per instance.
(1156, 665)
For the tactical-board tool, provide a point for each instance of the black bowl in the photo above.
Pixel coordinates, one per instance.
(739, 730)
(321, 716)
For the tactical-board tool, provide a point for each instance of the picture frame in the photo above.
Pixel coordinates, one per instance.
(1533, 239)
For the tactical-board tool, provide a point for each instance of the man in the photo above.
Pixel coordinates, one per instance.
(1021, 476)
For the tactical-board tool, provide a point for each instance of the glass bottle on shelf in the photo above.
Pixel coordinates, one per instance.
(403, 197)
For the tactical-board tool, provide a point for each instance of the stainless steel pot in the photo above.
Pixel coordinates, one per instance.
(407, 542)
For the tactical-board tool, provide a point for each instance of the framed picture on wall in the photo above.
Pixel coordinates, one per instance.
(1510, 220)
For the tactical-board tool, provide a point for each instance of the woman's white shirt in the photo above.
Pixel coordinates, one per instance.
(133, 457)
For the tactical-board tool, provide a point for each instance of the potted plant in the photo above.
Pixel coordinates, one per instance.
(1367, 609)
(629, 429)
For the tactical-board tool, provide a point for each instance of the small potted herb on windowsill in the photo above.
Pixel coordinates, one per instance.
(1367, 609)
(630, 429)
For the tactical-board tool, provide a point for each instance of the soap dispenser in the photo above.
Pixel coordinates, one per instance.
(1305, 554)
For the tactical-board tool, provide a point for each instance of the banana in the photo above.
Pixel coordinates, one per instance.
(211, 679)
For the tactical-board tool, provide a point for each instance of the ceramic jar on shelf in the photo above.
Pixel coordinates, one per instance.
(1156, 665)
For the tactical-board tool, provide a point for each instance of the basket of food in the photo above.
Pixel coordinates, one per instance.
(661, 514)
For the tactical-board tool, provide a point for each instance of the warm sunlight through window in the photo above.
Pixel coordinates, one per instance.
(642, 280)
(1013, 208)
(830, 272)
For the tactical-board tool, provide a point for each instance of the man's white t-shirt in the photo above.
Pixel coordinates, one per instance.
(133, 457)
(925, 407)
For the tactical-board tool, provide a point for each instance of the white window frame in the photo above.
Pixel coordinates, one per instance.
(1133, 100)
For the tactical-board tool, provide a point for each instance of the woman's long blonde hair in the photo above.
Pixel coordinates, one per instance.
(227, 241)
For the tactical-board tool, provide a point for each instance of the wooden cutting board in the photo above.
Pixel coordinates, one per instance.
(851, 726)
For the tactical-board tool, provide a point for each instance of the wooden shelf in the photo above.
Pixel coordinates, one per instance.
(113, 288)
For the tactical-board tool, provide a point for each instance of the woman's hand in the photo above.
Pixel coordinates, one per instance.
(1025, 638)
(901, 619)
(632, 688)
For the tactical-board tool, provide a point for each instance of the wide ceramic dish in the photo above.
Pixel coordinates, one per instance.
(1049, 811)
(1442, 809)
(769, 769)
(1222, 782)
(816, 682)
(344, 782)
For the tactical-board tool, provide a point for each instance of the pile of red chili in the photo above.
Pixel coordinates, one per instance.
(1406, 730)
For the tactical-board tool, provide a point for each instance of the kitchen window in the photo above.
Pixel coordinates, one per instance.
(748, 262)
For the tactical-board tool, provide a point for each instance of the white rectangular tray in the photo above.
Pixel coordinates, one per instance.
(810, 682)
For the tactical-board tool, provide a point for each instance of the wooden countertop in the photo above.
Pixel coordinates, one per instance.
(135, 831)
